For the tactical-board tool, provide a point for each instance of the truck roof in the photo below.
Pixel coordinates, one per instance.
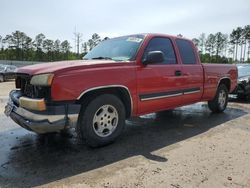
(156, 35)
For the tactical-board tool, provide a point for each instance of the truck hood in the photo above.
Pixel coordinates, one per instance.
(53, 67)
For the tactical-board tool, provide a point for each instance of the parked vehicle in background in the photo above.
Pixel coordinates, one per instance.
(119, 78)
(7, 72)
(243, 86)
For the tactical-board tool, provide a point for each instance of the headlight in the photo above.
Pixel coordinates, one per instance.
(42, 80)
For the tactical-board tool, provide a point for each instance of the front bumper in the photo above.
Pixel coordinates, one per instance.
(54, 119)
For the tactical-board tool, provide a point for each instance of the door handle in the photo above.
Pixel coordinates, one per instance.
(178, 73)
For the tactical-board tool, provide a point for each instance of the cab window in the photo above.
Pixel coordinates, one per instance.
(165, 46)
(186, 51)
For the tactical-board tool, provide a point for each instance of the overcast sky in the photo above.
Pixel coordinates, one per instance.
(59, 18)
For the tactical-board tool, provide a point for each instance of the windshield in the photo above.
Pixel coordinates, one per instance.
(244, 70)
(118, 49)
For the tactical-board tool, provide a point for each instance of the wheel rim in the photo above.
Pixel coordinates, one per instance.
(222, 99)
(105, 120)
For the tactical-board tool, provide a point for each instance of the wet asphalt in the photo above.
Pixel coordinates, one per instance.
(27, 159)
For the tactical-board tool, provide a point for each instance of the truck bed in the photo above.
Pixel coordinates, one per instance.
(213, 73)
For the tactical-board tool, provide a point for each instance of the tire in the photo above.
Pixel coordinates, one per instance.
(101, 121)
(219, 103)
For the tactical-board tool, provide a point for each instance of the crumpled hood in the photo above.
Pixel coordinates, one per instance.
(53, 67)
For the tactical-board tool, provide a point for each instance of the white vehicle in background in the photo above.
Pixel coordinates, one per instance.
(7, 72)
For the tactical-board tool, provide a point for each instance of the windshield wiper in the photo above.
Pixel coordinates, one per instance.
(108, 58)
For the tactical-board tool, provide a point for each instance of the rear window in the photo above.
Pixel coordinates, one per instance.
(186, 51)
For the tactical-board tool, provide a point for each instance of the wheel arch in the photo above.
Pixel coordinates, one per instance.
(121, 91)
(226, 81)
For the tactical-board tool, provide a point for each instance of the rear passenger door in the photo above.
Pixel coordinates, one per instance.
(192, 72)
(159, 85)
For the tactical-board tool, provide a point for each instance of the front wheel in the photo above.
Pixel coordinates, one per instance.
(219, 103)
(102, 120)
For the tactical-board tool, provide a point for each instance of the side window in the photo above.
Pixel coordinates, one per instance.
(164, 45)
(186, 51)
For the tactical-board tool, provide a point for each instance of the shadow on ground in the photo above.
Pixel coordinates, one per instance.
(29, 160)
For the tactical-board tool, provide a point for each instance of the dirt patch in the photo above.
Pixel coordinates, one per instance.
(218, 158)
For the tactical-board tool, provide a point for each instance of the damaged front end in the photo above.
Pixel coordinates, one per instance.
(243, 88)
(31, 107)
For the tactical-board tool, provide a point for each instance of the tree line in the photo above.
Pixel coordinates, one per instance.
(213, 48)
(224, 48)
(19, 46)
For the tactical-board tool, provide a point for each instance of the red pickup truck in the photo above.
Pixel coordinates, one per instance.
(119, 78)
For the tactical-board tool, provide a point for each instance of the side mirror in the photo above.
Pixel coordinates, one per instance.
(153, 57)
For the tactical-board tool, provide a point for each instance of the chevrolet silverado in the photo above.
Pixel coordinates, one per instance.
(119, 78)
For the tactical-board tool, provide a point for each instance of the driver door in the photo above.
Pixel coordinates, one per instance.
(160, 85)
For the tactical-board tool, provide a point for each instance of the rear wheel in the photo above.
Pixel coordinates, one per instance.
(102, 120)
(219, 103)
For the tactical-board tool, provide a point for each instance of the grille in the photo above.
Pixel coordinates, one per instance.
(23, 82)
(28, 90)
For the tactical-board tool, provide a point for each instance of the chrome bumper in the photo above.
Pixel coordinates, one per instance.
(54, 119)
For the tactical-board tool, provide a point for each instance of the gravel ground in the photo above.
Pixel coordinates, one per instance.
(187, 147)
